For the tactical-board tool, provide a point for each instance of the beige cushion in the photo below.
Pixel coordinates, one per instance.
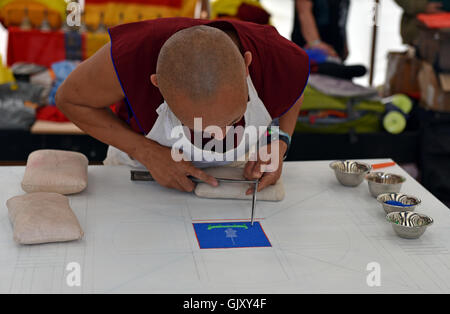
(55, 171)
(236, 190)
(43, 218)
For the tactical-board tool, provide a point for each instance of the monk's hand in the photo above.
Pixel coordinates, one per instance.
(267, 167)
(169, 172)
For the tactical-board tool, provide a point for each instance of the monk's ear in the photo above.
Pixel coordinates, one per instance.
(154, 80)
(248, 60)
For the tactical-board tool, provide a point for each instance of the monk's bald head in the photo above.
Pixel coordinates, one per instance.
(202, 66)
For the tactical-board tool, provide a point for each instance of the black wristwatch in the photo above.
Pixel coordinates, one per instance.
(275, 133)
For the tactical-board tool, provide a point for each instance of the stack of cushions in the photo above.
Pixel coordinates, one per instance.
(44, 215)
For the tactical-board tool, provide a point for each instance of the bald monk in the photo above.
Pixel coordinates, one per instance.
(166, 72)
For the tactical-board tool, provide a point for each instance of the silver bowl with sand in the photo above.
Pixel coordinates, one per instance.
(396, 202)
(409, 225)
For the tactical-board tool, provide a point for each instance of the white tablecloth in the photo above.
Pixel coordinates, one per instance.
(139, 238)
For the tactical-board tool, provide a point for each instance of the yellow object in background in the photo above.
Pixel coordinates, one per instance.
(94, 42)
(12, 12)
(6, 75)
(230, 7)
(132, 12)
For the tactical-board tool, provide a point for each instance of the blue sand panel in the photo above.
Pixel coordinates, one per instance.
(230, 235)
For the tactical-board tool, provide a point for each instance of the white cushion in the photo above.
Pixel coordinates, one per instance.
(43, 218)
(56, 171)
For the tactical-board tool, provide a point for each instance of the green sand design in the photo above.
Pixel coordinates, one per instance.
(227, 226)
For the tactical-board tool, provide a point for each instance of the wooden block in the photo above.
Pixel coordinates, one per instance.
(49, 127)
(445, 82)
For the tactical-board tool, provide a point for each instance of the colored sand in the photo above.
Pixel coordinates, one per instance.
(230, 235)
(210, 227)
(395, 203)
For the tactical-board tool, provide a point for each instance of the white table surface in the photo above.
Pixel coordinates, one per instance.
(139, 238)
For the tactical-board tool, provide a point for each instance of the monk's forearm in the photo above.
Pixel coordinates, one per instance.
(289, 119)
(288, 122)
(103, 125)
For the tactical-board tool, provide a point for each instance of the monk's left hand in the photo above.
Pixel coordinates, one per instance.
(268, 166)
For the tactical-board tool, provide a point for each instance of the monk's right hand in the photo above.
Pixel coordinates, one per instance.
(168, 172)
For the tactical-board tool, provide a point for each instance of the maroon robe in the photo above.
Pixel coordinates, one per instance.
(279, 68)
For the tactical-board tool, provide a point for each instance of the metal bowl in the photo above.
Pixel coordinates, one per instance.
(410, 202)
(350, 173)
(409, 225)
(381, 183)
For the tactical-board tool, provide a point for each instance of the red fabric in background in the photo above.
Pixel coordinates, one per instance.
(50, 113)
(167, 3)
(440, 20)
(34, 46)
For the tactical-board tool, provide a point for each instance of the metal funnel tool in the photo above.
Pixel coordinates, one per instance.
(146, 176)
